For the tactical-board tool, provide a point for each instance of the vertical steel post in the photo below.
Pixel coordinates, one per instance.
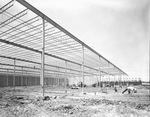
(65, 76)
(120, 81)
(99, 72)
(109, 79)
(149, 45)
(35, 81)
(7, 79)
(58, 77)
(114, 80)
(80, 74)
(91, 78)
(82, 67)
(14, 80)
(26, 79)
(22, 77)
(43, 57)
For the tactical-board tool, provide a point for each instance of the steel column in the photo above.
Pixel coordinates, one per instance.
(58, 78)
(14, 80)
(43, 58)
(26, 79)
(148, 35)
(7, 79)
(114, 80)
(35, 81)
(120, 80)
(22, 77)
(99, 72)
(109, 79)
(80, 74)
(82, 67)
(65, 77)
(91, 78)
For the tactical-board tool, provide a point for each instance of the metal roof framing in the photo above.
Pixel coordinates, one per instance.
(21, 34)
(23, 2)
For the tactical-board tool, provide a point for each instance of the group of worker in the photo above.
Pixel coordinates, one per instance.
(129, 89)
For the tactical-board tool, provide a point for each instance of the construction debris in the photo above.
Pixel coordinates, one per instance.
(26, 103)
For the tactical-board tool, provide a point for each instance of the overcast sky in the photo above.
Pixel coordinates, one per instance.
(117, 29)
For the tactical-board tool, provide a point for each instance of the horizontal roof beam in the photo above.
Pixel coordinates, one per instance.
(12, 58)
(36, 11)
(37, 51)
(54, 71)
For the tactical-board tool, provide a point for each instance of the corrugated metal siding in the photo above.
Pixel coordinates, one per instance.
(7, 80)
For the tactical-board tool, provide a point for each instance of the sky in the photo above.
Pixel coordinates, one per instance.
(117, 29)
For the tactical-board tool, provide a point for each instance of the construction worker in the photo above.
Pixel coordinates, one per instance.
(130, 89)
(115, 88)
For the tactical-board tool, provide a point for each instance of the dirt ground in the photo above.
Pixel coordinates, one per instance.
(28, 102)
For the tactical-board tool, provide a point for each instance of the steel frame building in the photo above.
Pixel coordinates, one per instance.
(32, 43)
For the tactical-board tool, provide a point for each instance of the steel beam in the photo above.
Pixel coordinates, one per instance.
(36, 11)
(37, 51)
(7, 6)
(24, 32)
(13, 18)
(37, 69)
(19, 26)
(29, 71)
